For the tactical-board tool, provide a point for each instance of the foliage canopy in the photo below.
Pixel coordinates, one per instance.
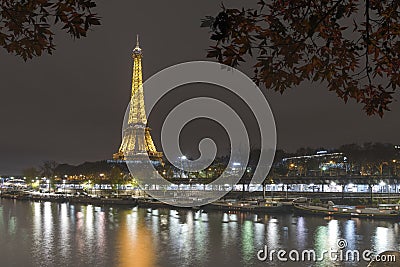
(353, 46)
(27, 26)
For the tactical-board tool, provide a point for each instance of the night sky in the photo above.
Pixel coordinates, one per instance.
(69, 106)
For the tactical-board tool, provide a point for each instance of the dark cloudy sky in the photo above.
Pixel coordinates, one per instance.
(69, 106)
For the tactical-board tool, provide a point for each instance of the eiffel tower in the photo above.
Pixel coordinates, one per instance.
(137, 143)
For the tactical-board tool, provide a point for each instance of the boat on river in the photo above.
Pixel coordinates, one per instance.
(383, 211)
(128, 201)
(255, 206)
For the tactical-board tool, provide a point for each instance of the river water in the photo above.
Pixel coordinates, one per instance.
(53, 234)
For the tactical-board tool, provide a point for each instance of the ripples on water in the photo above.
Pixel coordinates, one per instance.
(50, 234)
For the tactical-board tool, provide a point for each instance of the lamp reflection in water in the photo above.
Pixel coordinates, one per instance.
(350, 233)
(301, 233)
(333, 233)
(248, 241)
(201, 236)
(135, 242)
(384, 239)
(65, 231)
(1, 218)
(321, 236)
(37, 231)
(48, 232)
(259, 234)
(272, 233)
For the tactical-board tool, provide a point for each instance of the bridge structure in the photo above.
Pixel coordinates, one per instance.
(276, 186)
(323, 179)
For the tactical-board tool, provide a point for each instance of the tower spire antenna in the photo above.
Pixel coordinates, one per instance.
(137, 50)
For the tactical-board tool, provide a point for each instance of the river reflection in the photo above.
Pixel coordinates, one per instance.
(50, 234)
(135, 243)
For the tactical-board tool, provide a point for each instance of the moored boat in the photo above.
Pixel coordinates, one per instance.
(383, 211)
(256, 206)
(269, 206)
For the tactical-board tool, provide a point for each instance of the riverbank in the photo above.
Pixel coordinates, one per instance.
(71, 199)
(129, 201)
(255, 206)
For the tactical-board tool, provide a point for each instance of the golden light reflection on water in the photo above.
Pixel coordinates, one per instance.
(135, 242)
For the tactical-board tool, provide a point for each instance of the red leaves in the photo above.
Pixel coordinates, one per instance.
(24, 27)
(327, 41)
(376, 99)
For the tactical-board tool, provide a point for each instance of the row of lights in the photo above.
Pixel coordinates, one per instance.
(382, 183)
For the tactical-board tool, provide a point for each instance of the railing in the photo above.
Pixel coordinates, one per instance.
(323, 179)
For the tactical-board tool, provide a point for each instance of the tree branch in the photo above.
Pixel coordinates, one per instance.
(367, 40)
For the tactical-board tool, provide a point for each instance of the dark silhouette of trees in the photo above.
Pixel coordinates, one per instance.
(116, 178)
(372, 158)
(88, 168)
(305, 151)
(27, 26)
(48, 168)
(30, 174)
(353, 46)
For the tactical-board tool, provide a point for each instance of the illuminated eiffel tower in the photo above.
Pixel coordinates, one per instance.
(137, 142)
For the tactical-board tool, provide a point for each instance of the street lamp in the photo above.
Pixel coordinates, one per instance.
(101, 181)
(394, 167)
(182, 159)
(312, 186)
(333, 185)
(208, 172)
(64, 186)
(48, 184)
(382, 184)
